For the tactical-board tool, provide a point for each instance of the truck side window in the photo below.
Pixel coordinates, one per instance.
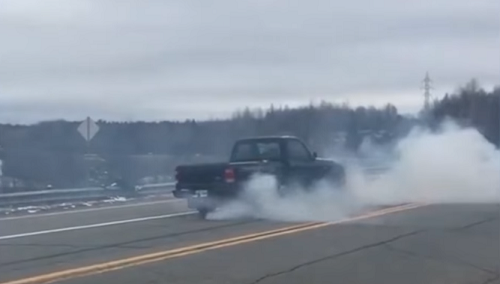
(255, 151)
(297, 151)
(269, 151)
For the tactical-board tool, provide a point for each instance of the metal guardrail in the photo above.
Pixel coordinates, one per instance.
(78, 194)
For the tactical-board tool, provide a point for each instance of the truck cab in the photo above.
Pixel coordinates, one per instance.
(290, 159)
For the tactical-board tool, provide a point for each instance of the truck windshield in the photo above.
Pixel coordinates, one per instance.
(256, 151)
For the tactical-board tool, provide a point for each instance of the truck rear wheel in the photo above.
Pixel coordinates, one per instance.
(203, 212)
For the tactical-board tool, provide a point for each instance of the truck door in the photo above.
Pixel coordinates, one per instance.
(300, 163)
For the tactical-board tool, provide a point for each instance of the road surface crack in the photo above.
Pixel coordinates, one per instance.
(337, 255)
(491, 280)
(491, 219)
(455, 260)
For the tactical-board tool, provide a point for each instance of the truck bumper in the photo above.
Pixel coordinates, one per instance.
(213, 191)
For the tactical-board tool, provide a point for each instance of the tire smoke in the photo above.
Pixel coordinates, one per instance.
(450, 165)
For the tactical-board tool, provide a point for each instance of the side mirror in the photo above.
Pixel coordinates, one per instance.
(315, 155)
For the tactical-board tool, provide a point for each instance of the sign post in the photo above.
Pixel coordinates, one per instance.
(88, 129)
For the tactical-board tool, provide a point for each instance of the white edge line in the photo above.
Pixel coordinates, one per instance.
(114, 206)
(95, 225)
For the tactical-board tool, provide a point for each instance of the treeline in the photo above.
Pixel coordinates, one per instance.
(314, 123)
(53, 152)
(471, 105)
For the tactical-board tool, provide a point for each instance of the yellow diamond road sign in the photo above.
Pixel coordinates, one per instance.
(88, 129)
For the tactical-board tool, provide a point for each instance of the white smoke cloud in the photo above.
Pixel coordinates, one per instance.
(261, 200)
(451, 165)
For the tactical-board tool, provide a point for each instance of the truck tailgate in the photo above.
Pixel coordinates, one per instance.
(201, 174)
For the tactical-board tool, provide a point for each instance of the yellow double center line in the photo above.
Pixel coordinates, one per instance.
(158, 256)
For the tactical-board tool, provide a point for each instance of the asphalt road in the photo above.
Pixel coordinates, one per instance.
(161, 242)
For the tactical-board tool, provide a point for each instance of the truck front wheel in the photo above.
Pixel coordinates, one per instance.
(337, 178)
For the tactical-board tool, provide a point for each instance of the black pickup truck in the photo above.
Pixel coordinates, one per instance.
(287, 158)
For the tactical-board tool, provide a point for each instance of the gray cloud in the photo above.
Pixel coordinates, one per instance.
(152, 59)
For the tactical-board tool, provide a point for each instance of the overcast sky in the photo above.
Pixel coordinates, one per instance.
(174, 59)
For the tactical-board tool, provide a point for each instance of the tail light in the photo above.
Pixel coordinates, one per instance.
(229, 175)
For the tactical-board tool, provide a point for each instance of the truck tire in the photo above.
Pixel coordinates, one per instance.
(337, 178)
(203, 212)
